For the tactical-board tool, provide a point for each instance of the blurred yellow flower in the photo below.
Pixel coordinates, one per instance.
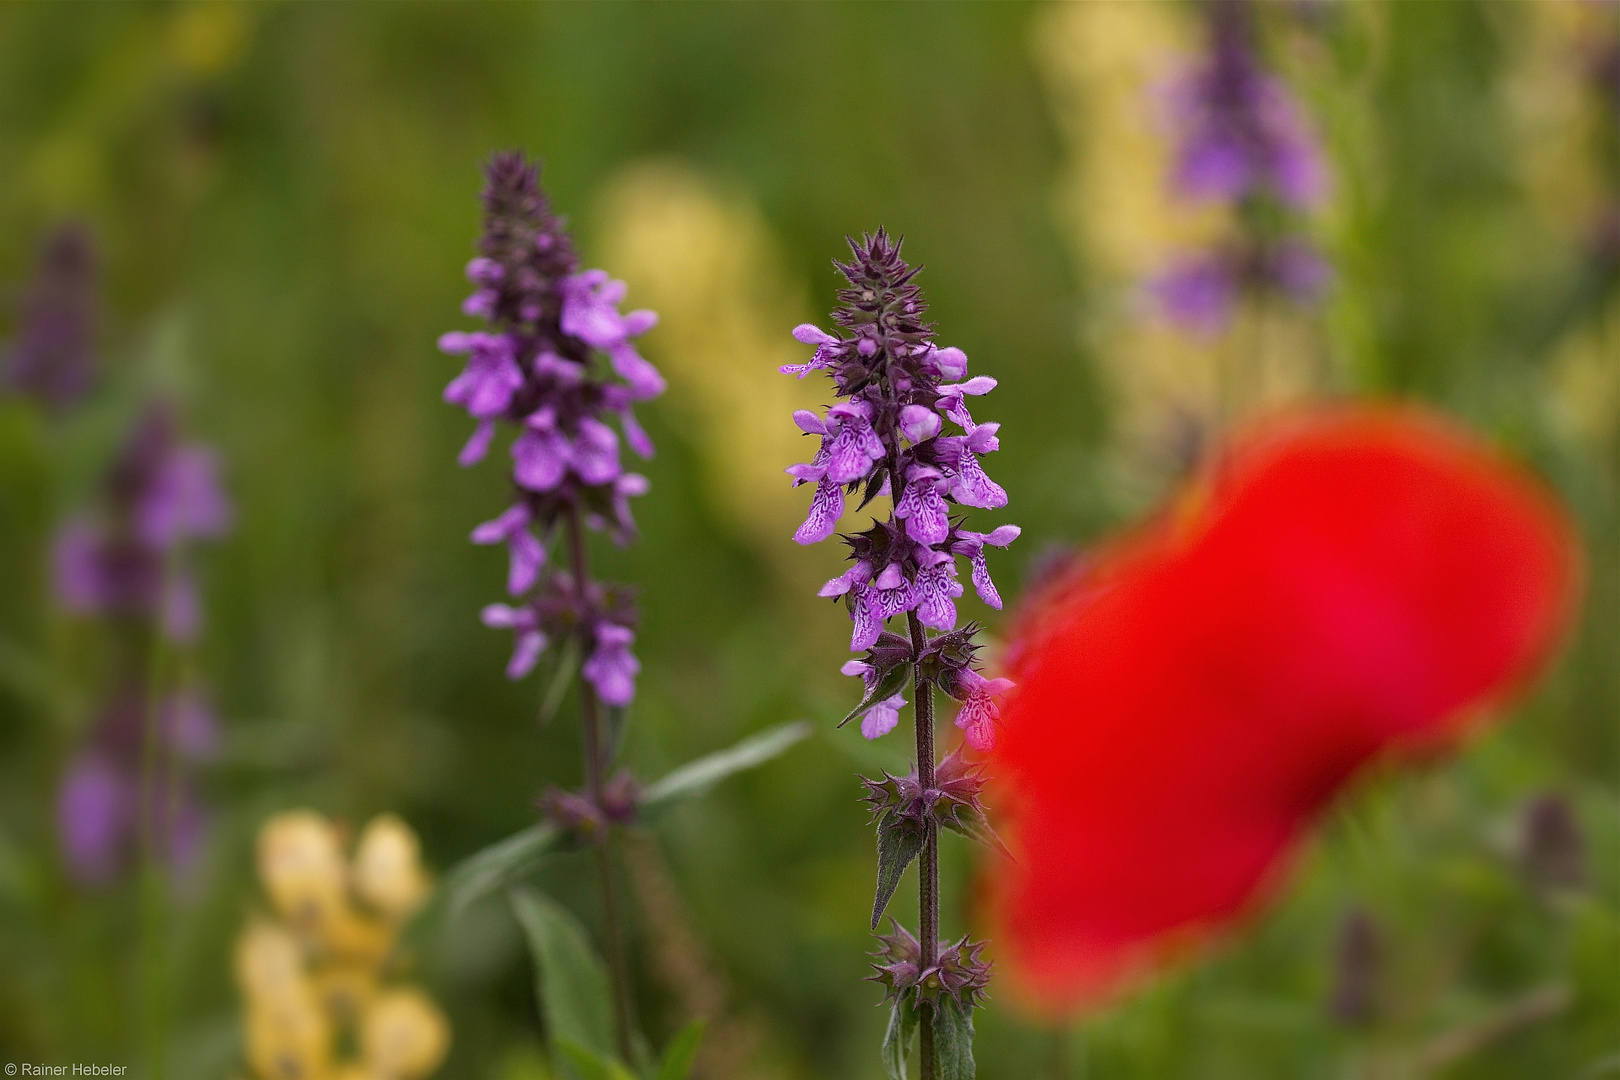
(318, 976)
(388, 867)
(301, 866)
(403, 1035)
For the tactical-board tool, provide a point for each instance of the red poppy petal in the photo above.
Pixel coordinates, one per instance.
(1348, 582)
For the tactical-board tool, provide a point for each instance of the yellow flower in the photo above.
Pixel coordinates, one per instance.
(388, 867)
(269, 963)
(403, 1035)
(301, 866)
(289, 1037)
(316, 976)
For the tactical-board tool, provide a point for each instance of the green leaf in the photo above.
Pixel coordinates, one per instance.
(682, 1052)
(971, 823)
(592, 1066)
(496, 866)
(899, 840)
(953, 1039)
(899, 1036)
(618, 719)
(893, 681)
(570, 979)
(696, 777)
(561, 677)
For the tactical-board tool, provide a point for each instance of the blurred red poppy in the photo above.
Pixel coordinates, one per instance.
(1342, 586)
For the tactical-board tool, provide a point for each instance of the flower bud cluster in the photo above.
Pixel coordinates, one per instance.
(540, 367)
(952, 800)
(887, 436)
(960, 972)
(578, 813)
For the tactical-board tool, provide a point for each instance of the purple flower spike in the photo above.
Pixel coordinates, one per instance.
(1240, 136)
(612, 667)
(158, 497)
(1240, 131)
(52, 358)
(558, 362)
(898, 389)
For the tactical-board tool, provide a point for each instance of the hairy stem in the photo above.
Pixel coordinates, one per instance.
(602, 842)
(928, 866)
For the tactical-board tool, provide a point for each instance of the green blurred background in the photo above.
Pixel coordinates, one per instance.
(284, 196)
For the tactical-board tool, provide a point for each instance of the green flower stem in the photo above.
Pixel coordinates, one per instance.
(602, 842)
(928, 866)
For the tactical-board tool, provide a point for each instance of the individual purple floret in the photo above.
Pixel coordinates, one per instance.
(899, 390)
(540, 367)
(159, 496)
(52, 355)
(1242, 139)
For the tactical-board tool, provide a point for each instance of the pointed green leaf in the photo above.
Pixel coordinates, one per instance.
(570, 979)
(897, 1039)
(899, 841)
(618, 719)
(592, 1066)
(496, 866)
(562, 676)
(953, 1039)
(971, 823)
(682, 1052)
(894, 680)
(696, 777)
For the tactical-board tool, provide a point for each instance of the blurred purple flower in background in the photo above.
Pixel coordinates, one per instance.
(98, 801)
(125, 560)
(122, 559)
(1239, 131)
(534, 368)
(1242, 139)
(52, 355)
